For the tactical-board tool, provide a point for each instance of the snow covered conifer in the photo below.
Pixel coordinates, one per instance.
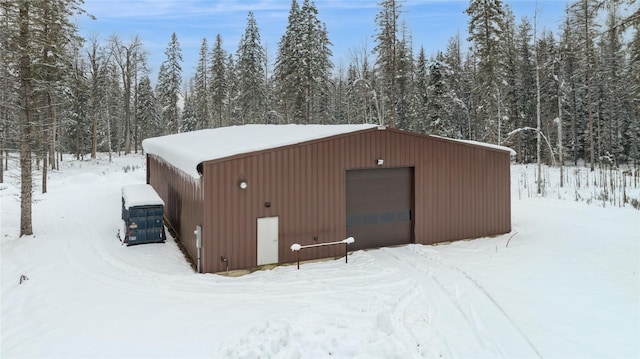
(37, 35)
(485, 29)
(147, 111)
(169, 86)
(582, 21)
(303, 65)
(437, 93)
(251, 75)
(421, 92)
(201, 88)
(405, 83)
(218, 85)
(386, 49)
(189, 120)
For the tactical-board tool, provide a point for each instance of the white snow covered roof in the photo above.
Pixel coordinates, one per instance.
(140, 195)
(186, 150)
(490, 145)
(481, 144)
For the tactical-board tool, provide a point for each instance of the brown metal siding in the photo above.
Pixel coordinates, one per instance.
(461, 191)
(182, 196)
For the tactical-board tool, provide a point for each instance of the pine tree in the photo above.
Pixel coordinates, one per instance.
(421, 93)
(547, 54)
(339, 98)
(303, 67)
(438, 119)
(572, 105)
(218, 85)
(8, 81)
(147, 110)
(56, 31)
(457, 102)
(485, 29)
(525, 91)
(509, 115)
(631, 131)
(76, 114)
(351, 93)
(582, 19)
(321, 74)
(612, 110)
(232, 107)
(405, 82)
(251, 74)
(37, 37)
(315, 55)
(189, 121)
(24, 41)
(57, 43)
(169, 85)
(288, 71)
(201, 89)
(387, 47)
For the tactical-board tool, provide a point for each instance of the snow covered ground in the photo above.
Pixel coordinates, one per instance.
(568, 285)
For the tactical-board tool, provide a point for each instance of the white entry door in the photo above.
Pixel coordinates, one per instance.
(267, 240)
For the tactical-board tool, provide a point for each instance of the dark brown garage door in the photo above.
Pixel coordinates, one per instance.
(379, 207)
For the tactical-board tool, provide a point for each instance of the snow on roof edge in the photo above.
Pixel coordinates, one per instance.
(188, 149)
(511, 151)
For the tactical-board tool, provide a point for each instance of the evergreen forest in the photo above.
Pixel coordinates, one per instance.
(570, 96)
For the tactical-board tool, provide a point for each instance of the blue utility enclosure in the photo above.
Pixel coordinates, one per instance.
(142, 212)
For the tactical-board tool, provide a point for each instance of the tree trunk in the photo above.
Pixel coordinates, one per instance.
(560, 149)
(94, 126)
(24, 38)
(127, 117)
(45, 157)
(538, 142)
(3, 136)
(574, 125)
(135, 111)
(53, 131)
(94, 64)
(588, 85)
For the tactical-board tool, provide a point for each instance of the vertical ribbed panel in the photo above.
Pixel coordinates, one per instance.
(174, 186)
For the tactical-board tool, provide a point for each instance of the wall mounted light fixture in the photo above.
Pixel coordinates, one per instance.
(243, 184)
(380, 162)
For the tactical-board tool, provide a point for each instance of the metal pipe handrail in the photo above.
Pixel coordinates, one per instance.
(298, 247)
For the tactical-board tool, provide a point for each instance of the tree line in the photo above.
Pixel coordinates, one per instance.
(568, 96)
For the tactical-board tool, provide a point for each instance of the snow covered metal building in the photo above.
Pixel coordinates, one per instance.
(255, 190)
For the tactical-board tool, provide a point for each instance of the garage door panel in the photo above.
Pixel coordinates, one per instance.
(379, 190)
(378, 218)
(384, 235)
(379, 206)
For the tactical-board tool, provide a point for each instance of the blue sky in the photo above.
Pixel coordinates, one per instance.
(350, 23)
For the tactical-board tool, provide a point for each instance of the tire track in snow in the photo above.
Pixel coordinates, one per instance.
(407, 323)
(486, 293)
(491, 310)
(429, 282)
